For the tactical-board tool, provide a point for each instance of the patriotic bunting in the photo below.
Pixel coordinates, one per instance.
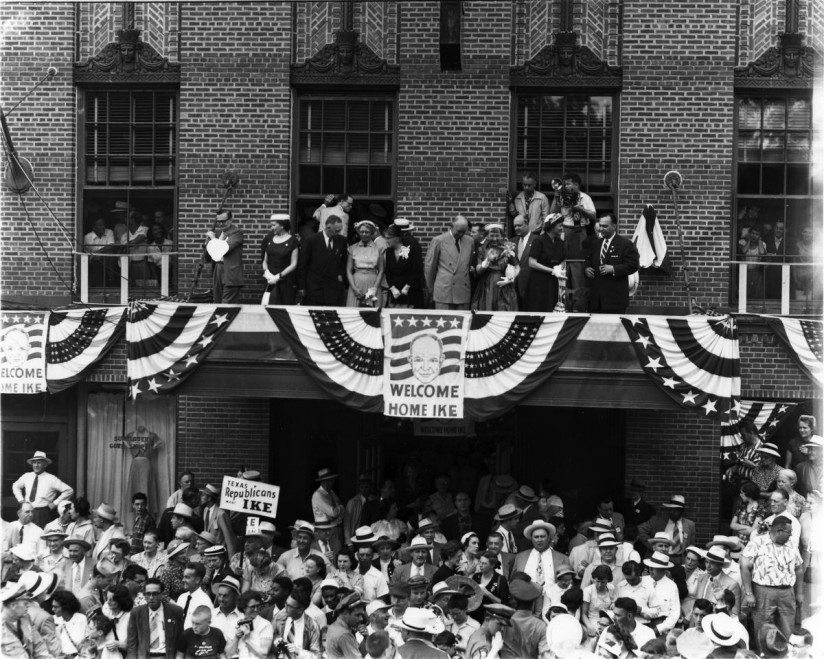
(693, 359)
(650, 242)
(766, 417)
(78, 339)
(803, 339)
(509, 355)
(167, 341)
(341, 348)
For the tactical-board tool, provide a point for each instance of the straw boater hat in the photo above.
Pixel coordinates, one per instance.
(302, 526)
(39, 455)
(376, 605)
(505, 483)
(717, 554)
(385, 540)
(422, 621)
(660, 538)
(24, 552)
(105, 511)
(526, 493)
(419, 542)
(658, 560)
(425, 524)
(214, 551)
(601, 525)
(721, 629)
(211, 490)
(39, 583)
(325, 523)
(230, 581)
(207, 537)
(68, 542)
(694, 644)
(676, 501)
(695, 550)
(539, 524)
(325, 474)
(403, 224)
(182, 510)
(816, 441)
(363, 536)
(506, 512)
(608, 540)
(263, 529)
(770, 449)
(12, 592)
(731, 542)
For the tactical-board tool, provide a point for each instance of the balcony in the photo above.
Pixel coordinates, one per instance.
(786, 289)
(113, 278)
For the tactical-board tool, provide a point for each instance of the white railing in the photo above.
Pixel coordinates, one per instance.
(84, 257)
(745, 270)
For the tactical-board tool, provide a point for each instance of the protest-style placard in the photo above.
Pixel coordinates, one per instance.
(250, 497)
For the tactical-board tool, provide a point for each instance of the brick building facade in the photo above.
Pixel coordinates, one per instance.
(448, 119)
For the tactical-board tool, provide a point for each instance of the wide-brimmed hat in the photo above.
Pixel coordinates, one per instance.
(658, 560)
(694, 644)
(422, 621)
(601, 525)
(302, 526)
(502, 612)
(210, 490)
(105, 511)
(505, 483)
(816, 441)
(363, 536)
(468, 587)
(262, 529)
(230, 581)
(39, 455)
(325, 523)
(676, 501)
(25, 552)
(731, 542)
(772, 640)
(608, 540)
(13, 591)
(68, 542)
(39, 583)
(717, 555)
(637, 485)
(349, 601)
(419, 542)
(442, 588)
(660, 538)
(403, 224)
(695, 550)
(179, 548)
(770, 449)
(527, 494)
(563, 569)
(507, 511)
(251, 475)
(325, 473)
(539, 524)
(425, 524)
(376, 605)
(207, 537)
(385, 540)
(525, 591)
(182, 510)
(720, 629)
(54, 533)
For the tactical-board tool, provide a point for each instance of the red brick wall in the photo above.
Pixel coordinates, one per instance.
(453, 126)
(677, 113)
(216, 436)
(234, 115)
(676, 453)
(35, 37)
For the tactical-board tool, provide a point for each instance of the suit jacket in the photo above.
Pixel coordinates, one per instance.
(216, 514)
(321, 272)
(139, 638)
(610, 293)
(66, 574)
(311, 632)
(401, 575)
(390, 568)
(416, 648)
(637, 514)
(519, 564)
(714, 592)
(447, 270)
(658, 524)
(450, 528)
(534, 212)
(522, 280)
(232, 265)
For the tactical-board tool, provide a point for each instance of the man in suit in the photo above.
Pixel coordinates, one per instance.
(447, 264)
(637, 510)
(776, 247)
(227, 277)
(216, 520)
(530, 204)
(78, 569)
(613, 259)
(712, 584)
(419, 550)
(463, 520)
(523, 247)
(155, 627)
(541, 561)
(298, 630)
(674, 524)
(495, 544)
(322, 266)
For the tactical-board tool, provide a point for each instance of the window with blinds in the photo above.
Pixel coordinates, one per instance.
(557, 134)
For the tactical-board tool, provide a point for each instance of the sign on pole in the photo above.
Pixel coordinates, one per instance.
(249, 497)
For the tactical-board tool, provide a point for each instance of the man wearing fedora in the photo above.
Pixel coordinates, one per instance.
(375, 585)
(293, 559)
(362, 509)
(325, 502)
(712, 584)
(41, 489)
(724, 634)
(507, 519)
(78, 569)
(327, 539)
(215, 519)
(672, 522)
(105, 521)
(419, 627)
(419, 550)
(53, 559)
(810, 471)
(541, 561)
(226, 614)
(340, 636)
(155, 627)
(93, 594)
(663, 607)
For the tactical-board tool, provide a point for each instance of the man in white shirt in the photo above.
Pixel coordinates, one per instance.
(778, 506)
(41, 489)
(134, 240)
(226, 616)
(462, 625)
(633, 586)
(664, 606)
(341, 209)
(194, 596)
(375, 584)
(326, 506)
(530, 203)
(625, 610)
(540, 562)
(22, 531)
(105, 521)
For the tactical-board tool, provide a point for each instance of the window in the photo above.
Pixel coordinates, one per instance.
(557, 134)
(777, 196)
(129, 176)
(347, 146)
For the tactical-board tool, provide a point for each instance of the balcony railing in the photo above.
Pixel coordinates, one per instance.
(114, 273)
(788, 289)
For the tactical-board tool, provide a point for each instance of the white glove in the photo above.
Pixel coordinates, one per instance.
(395, 292)
(405, 289)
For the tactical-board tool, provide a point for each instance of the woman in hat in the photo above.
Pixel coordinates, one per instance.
(470, 561)
(766, 473)
(492, 583)
(261, 577)
(280, 262)
(749, 512)
(496, 272)
(152, 557)
(364, 268)
(404, 269)
(389, 524)
(69, 623)
(171, 574)
(598, 596)
(546, 255)
(796, 452)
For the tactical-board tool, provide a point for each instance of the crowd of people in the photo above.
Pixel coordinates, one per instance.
(403, 573)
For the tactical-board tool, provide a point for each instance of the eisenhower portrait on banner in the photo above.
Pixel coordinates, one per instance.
(426, 357)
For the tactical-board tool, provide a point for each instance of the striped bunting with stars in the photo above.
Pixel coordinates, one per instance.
(77, 340)
(693, 359)
(340, 348)
(803, 340)
(166, 342)
(508, 355)
(765, 416)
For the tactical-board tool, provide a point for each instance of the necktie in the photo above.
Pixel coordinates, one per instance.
(76, 578)
(458, 244)
(188, 601)
(290, 635)
(676, 540)
(33, 493)
(21, 534)
(511, 541)
(156, 629)
(206, 515)
(540, 571)
(20, 632)
(604, 247)
(328, 243)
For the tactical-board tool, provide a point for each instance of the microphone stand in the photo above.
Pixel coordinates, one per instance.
(673, 181)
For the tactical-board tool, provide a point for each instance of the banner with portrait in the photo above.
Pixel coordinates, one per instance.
(23, 353)
(423, 375)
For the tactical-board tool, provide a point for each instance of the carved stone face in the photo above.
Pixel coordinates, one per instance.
(127, 52)
(791, 57)
(565, 56)
(346, 54)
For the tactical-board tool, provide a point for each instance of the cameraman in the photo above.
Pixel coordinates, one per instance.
(578, 212)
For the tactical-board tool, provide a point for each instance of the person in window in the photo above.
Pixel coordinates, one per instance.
(404, 269)
(807, 279)
(157, 243)
(776, 245)
(496, 271)
(752, 248)
(364, 268)
(134, 241)
(280, 262)
(98, 240)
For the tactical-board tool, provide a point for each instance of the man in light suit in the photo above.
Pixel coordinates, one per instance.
(712, 584)
(419, 550)
(297, 629)
(322, 266)
(228, 273)
(613, 259)
(530, 203)
(447, 264)
(541, 561)
(166, 617)
(215, 519)
(78, 569)
(674, 524)
(523, 247)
